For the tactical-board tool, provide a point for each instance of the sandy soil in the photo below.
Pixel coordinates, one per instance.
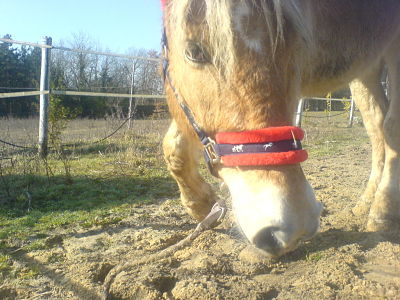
(342, 262)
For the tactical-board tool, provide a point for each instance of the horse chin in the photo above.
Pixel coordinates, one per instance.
(270, 219)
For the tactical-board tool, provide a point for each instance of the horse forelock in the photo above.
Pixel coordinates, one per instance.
(217, 22)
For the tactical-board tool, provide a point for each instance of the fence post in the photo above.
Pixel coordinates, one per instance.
(299, 112)
(131, 92)
(44, 98)
(352, 107)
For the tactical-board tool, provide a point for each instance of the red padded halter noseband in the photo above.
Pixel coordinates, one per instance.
(259, 147)
(264, 135)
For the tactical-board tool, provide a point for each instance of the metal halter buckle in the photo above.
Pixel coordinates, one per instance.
(210, 151)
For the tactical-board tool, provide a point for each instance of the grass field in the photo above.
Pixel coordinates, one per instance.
(84, 185)
(97, 184)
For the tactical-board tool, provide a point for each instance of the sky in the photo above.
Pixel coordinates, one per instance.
(115, 25)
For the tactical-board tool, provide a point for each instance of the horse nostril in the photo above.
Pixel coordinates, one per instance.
(267, 241)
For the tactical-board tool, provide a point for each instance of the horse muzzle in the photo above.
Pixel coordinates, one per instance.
(275, 208)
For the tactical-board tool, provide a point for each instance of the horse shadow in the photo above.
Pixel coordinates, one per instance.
(59, 279)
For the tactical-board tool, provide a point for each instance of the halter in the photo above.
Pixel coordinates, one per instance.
(269, 146)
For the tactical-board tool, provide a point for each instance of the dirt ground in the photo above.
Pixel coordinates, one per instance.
(342, 262)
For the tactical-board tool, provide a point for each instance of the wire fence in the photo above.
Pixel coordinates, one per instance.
(45, 91)
(328, 115)
(302, 112)
(77, 93)
(70, 144)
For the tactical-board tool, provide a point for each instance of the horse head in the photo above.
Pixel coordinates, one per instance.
(235, 64)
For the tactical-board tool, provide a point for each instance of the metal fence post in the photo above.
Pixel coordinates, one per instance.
(299, 112)
(352, 107)
(44, 98)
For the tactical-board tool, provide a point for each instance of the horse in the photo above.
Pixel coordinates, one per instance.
(234, 72)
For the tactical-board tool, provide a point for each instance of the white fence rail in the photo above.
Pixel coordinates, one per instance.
(22, 94)
(78, 50)
(45, 91)
(94, 94)
(78, 93)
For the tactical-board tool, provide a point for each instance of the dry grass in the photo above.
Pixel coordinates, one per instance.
(325, 135)
(25, 131)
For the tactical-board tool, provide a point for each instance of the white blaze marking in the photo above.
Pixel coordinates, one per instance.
(242, 11)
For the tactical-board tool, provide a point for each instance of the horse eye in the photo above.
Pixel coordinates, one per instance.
(194, 52)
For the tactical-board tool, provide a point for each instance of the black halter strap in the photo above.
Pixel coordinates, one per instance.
(210, 153)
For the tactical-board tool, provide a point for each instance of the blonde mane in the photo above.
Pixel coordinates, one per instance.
(217, 16)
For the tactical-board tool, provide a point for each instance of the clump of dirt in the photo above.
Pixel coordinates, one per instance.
(342, 262)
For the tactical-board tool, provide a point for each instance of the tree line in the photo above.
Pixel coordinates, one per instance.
(77, 71)
(19, 70)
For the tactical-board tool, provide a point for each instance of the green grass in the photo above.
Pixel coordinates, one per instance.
(314, 257)
(89, 185)
(7, 270)
(5, 264)
(29, 273)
